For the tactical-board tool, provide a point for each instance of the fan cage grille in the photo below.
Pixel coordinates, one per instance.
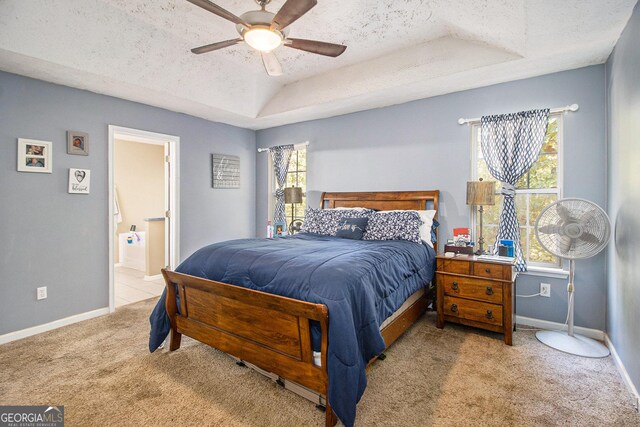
(573, 228)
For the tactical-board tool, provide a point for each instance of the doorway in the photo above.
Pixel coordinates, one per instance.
(143, 214)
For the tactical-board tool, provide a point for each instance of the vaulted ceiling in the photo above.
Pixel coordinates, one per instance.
(398, 51)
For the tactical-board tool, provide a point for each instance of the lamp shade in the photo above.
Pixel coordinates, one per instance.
(481, 193)
(293, 195)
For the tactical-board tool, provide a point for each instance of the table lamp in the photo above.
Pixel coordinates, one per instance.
(481, 193)
(293, 195)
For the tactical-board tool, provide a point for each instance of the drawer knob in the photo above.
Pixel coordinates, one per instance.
(489, 290)
(487, 270)
(454, 286)
(454, 308)
(489, 314)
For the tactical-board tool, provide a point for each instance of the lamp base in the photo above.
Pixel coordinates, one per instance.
(576, 344)
(481, 238)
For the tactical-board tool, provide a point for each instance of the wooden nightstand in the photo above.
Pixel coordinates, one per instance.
(477, 293)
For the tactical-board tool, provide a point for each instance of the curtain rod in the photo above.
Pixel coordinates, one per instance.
(296, 146)
(572, 107)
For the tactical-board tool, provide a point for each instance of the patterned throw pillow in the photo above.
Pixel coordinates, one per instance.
(325, 221)
(352, 228)
(394, 225)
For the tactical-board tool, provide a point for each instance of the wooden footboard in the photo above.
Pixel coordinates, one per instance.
(269, 331)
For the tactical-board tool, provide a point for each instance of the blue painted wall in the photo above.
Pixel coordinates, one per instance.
(413, 146)
(623, 302)
(420, 146)
(54, 239)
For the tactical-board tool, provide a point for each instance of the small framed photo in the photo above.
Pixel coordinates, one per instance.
(77, 143)
(279, 229)
(34, 156)
(79, 181)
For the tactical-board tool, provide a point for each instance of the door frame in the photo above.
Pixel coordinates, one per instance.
(172, 188)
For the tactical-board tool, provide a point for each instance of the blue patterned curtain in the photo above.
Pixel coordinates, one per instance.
(281, 155)
(511, 144)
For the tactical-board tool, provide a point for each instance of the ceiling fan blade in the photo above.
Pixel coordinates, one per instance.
(271, 64)
(314, 46)
(223, 13)
(215, 46)
(290, 12)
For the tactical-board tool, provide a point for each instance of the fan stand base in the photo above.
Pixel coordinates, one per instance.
(576, 344)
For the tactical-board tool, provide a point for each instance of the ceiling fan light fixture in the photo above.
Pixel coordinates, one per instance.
(263, 39)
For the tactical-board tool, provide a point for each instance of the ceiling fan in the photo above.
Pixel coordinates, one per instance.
(266, 31)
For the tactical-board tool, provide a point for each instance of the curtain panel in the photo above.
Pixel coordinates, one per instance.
(281, 156)
(511, 144)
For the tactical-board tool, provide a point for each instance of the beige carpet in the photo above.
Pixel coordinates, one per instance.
(101, 371)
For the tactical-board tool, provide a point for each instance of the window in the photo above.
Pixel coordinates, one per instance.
(296, 177)
(538, 188)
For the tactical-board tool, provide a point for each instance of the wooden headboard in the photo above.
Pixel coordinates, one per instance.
(383, 201)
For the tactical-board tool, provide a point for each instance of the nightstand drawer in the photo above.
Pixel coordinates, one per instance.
(486, 269)
(454, 266)
(484, 290)
(473, 310)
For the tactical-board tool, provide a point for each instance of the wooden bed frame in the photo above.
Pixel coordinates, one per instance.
(271, 331)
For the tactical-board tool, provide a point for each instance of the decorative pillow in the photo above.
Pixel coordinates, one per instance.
(394, 225)
(427, 223)
(352, 228)
(316, 221)
(325, 221)
(426, 232)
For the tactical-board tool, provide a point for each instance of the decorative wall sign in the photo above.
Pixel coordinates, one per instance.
(34, 156)
(225, 171)
(79, 181)
(77, 143)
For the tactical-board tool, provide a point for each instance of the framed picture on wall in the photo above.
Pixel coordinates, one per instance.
(34, 156)
(225, 171)
(77, 143)
(79, 181)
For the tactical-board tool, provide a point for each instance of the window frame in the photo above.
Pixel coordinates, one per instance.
(557, 270)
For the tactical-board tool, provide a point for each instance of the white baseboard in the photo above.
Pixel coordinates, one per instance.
(635, 397)
(154, 277)
(35, 330)
(546, 324)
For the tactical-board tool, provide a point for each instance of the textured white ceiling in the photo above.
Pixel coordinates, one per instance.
(398, 51)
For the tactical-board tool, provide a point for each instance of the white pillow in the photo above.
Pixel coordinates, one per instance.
(427, 222)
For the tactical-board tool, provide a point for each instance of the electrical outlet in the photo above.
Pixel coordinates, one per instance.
(545, 290)
(41, 293)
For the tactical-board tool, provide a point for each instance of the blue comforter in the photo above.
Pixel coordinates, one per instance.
(362, 282)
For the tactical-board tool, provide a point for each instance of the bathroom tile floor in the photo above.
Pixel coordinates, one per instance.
(131, 287)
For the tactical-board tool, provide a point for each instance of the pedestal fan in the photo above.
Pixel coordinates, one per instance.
(573, 229)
